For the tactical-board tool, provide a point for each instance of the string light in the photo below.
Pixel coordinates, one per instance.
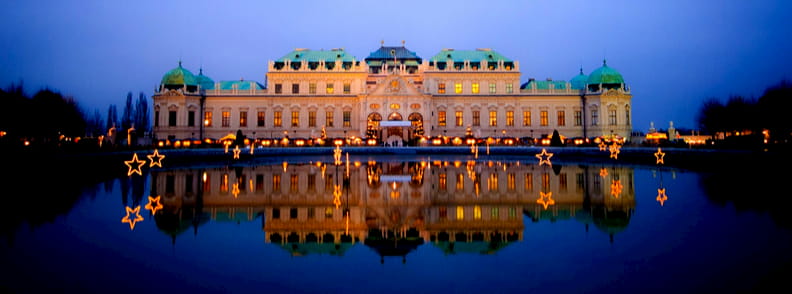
(542, 159)
(158, 161)
(135, 160)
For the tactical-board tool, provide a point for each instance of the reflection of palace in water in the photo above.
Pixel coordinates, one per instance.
(393, 207)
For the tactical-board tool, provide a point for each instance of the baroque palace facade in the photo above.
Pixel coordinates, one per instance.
(392, 95)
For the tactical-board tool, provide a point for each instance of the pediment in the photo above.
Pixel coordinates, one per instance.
(395, 85)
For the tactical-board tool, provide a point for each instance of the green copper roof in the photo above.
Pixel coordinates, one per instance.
(179, 76)
(315, 56)
(388, 53)
(204, 81)
(471, 55)
(579, 81)
(240, 85)
(544, 85)
(605, 75)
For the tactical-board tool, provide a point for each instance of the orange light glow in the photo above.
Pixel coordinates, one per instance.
(158, 161)
(545, 199)
(337, 196)
(603, 172)
(614, 150)
(136, 161)
(131, 221)
(602, 145)
(542, 159)
(337, 155)
(659, 155)
(235, 190)
(236, 152)
(661, 196)
(616, 188)
(154, 204)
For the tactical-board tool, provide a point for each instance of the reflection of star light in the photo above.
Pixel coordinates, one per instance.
(614, 150)
(337, 155)
(337, 196)
(236, 152)
(137, 161)
(154, 204)
(659, 155)
(661, 196)
(603, 146)
(235, 190)
(616, 188)
(545, 199)
(542, 159)
(603, 172)
(158, 161)
(132, 221)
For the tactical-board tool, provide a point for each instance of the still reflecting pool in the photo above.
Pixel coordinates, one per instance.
(400, 225)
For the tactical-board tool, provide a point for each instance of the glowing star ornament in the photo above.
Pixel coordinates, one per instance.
(544, 157)
(134, 161)
(661, 196)
(603, 172)
(236, 152)
(603, 146)
(156, 158)
(154, 204)
(659, 155)
(616, 188)
(136, 218)
(235, 190)
(614, 150)
(545, 199)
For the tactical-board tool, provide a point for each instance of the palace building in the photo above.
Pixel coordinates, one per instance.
(394, 96)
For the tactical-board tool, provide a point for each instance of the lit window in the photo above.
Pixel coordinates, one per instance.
(329, 119)
(474, 88)
(492, 182)
(295, 118)
(510, 118)
(561, 118)
(442, 182)
(511, 182)
(312, 88)
(330, 89)
(460, 181)
(243, 118)
(476, 118)
(276, 183)
(458, 88)
(441, 88)
(493, 118)
(459, 120)
(492, 88)
(441, 118)
(277, 119)
(526, 118)
(312, 118)
(543, 120)
(226, 116)
(509, 88)
(208, 118)
(260, 119)
(347, 119)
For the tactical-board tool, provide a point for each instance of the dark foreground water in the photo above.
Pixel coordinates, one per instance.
(398, 225)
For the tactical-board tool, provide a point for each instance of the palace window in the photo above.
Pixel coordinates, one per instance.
(295, 118)
(442, 182)
(492, 182)
(459, 120)
(528, 182)
(460, 181)
(561, 116)
(276, 183)
(526, 118)
(312, 88)
(441, 118)
(545, 181)
(312, 119)
(278, 88)
(295, 88)
(329, 119)
(612, 116)
(441, 88)
(578, 118)
(347, 119)
(509, 88)
(543, 120)
(594, 117)
(474, 88)
(171, 118)
(260, 119)
(156, 118)
(226, 119)
(312, 183)
(243, 118)
(259, 182)
(347, 88)
(224, 184)
(294, 183)
(476, 118)
(493, 118)
(208, 119)
(627, 116)
(329, 89)
(458, 88)
(510, 118)
(511, 182)
(277, 119)
(191, 118)
(492, 88)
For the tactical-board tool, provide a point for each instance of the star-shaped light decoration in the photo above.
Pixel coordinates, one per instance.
(154, 204)
(616, 188)
(157, 161)
(545, 199)
(235, 190)
(614, 150)
(603, 146)
(542, 159)
(659, 155)
(661, 196)
(603, 172)
(134, 161)
(137, 217)
(337, 196)
(337, 155)
(236, 152)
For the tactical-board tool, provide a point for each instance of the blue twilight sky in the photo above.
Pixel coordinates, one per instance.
(673, 54)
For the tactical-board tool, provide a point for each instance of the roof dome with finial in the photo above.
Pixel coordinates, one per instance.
(605, 75)
(579, 81)
(204, 81)
(179, 76)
